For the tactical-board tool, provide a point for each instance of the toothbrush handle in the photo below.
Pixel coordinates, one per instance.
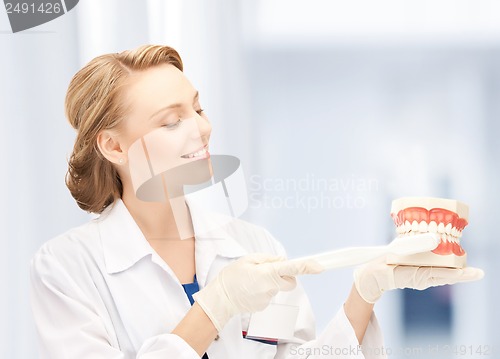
(346, 257)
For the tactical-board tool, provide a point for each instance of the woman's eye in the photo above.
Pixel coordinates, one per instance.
(200, 111)
(171, 126)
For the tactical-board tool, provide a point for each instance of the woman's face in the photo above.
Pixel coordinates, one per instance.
(165, 126)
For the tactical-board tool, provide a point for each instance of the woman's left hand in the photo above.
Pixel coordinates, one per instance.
(374, 278)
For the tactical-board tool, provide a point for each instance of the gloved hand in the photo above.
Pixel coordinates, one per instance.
(248, 284)
(372, 279)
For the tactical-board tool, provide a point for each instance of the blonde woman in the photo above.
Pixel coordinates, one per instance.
(128, 285)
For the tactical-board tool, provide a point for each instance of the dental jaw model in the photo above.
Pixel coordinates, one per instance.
(447, 218)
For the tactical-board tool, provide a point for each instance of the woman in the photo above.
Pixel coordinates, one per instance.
(123, 285)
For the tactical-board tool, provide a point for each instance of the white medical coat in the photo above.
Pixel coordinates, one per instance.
(101, 291)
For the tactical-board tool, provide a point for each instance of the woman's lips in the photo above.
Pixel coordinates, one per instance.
(199, 153)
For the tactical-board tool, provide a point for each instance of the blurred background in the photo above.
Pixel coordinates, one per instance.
(334, 107)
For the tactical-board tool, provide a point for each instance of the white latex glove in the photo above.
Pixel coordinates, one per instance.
(248, 284)
(372, 279)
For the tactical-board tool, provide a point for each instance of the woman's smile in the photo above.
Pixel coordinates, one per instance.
(201, 153)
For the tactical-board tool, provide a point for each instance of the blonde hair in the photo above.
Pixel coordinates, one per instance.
(93, 103)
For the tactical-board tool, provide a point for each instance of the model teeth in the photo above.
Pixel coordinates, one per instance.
(446, 233)
(442, 218)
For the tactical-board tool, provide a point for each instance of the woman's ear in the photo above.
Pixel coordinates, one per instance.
(109, 145)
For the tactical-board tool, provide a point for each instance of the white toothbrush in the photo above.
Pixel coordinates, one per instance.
(346, 257)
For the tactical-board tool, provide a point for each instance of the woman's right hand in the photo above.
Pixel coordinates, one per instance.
(248, 284)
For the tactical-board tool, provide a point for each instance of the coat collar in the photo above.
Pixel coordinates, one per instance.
(122, 241)
(124, 244)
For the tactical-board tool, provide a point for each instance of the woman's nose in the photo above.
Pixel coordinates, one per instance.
(204, 127)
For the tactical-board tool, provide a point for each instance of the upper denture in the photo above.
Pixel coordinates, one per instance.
(437, 215)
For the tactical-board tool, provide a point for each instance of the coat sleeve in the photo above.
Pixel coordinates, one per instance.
(68, 324)
(338, 340)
